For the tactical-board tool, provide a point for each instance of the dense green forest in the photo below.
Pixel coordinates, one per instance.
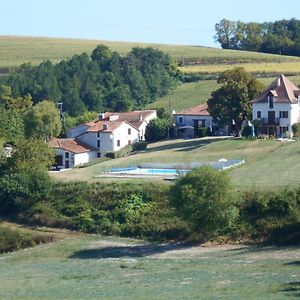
(99, 82)
(279, 37)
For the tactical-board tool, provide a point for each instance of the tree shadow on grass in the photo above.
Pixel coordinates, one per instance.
(292, 289)
(126, 251)
(183, 146)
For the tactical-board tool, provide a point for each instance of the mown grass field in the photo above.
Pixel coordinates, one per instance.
(15, 50)
(93, 267)
(269, 163)
(266, 67)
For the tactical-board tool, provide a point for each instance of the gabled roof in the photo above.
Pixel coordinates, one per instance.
(283, 90)
(99, 125)
(71, 145)
(199, 110)
(135, 118)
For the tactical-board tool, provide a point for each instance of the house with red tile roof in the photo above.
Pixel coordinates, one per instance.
(188, 122)
(112, 131)
(72, 152)
(277, 108)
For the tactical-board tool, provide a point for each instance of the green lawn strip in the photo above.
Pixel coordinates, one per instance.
(66, 270)
(254, 152)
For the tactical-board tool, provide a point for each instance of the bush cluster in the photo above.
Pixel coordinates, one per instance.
(120, 153)
(13, 239)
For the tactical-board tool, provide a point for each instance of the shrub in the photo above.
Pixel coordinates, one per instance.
(140, 146)
(247, 131)
(157, 129)
(120, 153)
(202, 131)
(203, 197)
(296, 129)
(19, 191)
(12, 239)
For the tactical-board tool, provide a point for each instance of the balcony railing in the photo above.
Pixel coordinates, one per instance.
(268, 121)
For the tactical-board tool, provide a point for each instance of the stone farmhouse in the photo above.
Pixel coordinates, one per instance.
(277, 108)
(110, 132)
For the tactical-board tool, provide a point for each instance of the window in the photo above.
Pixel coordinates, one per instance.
(258, 114)
(98, 134)
(129, 131)
(180, 119)
(98, 143)
(118, 143)
(98, 154)
(67, 154)
(283, 114)
(271, 104)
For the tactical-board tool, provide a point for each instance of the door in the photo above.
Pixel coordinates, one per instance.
(271, 117)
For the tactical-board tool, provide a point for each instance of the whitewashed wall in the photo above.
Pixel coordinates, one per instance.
(189, 120)
(85, 157)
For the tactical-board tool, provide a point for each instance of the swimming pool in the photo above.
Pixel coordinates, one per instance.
(147, 171)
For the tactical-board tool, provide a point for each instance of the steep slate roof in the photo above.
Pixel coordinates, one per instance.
(199, 110)
(71, 145)
(282, 89)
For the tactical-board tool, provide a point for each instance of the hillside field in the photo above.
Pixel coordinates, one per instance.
(190, 94)
(81, 266)
(269, 163)
(15, 50)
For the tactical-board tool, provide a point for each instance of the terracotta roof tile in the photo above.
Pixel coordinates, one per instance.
(71, 145)
(99, 125)
(282, 89)
(199, 110)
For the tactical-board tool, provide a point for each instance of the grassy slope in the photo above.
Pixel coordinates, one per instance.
(91, 267)
(16, 50)
(190, 94)
(268, 163)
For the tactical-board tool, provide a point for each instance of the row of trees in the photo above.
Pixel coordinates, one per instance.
(279, 37)
(98, 82)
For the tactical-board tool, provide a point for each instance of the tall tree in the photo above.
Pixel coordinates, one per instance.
(42, 121)
(232, 100)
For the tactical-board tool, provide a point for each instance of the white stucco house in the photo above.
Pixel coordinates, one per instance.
(108, 133)
(71, 152)
(189, 120)
(277, 108)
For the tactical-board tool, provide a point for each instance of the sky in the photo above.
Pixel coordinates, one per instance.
(184, 22)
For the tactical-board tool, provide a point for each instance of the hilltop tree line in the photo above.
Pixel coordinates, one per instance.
(279, 37)
(98, 82)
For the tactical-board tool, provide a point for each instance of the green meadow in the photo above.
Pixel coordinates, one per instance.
(82, 266)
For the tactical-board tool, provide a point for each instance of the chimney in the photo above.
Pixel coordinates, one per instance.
(101, 116)
(105, 126)
(278, 81)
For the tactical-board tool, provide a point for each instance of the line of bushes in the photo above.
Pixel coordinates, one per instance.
(14, 239)
(156, 210)
(144, 211)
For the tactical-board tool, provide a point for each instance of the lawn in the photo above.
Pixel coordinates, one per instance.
(94, 267)
(269, 163)
(15, 50)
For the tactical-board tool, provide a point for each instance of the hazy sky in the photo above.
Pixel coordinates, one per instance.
(159, 21)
